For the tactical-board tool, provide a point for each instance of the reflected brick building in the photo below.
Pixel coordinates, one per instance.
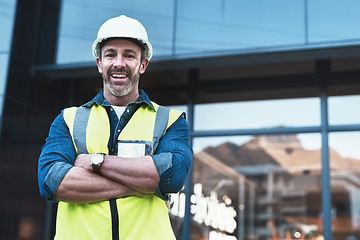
(280, 192)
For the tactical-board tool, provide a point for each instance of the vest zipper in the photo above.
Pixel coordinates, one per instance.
(114, 219)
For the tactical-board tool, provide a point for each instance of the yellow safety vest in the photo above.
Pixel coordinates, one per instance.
(130, 218)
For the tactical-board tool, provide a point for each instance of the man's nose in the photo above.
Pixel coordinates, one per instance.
(119, 61)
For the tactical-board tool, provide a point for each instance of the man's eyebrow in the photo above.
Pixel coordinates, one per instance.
(128, 50)
(109, 50)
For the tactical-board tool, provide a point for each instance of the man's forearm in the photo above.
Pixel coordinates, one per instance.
(83, 186)
(137, 173)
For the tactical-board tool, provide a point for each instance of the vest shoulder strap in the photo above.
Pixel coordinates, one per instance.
(165, 117)
(161, 123)
(80, 125)
(77, 119)
(69, 116)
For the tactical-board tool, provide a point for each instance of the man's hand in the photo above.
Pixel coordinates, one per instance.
(84, 161)
(136, 173)
(82, 186)
(120, 177)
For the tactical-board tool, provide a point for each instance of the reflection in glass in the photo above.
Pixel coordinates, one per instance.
(181, 108)
(342, 110)
(262, 187)
(81, 19)
(211, 27)
(345, 184)
(345, 144)
(258, 114)
(334, 23)
(4, 62)
(7, 9)
(227, 25)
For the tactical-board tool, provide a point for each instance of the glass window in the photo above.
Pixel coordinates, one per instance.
(345, 144)
(7, 8)
(332, 20)
(4, 61)
(262, 187)
(210, 27)
(229, 25)
(182, 108)
(81, 20)
(344, 110)
(258, 114)
(345, 184)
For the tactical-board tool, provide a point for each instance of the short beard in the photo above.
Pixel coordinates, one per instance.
(133, 81)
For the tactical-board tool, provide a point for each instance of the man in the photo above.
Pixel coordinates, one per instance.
(113, 161)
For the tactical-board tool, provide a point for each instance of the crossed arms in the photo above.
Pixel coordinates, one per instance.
(64, 176)
(119, 177)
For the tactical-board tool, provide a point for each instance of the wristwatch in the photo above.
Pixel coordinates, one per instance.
(96, 160)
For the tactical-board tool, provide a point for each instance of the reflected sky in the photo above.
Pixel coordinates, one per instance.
(7, 8)
(229, 25)
(346, 144)
(258, 114)
(80, 21)
(189, 28)
(343, 110)
(4, 63)
(6, 23)
(333, 20)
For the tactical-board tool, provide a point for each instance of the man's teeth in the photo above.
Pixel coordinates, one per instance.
(118, 75)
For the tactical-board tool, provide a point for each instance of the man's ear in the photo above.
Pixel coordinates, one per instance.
(98, 63)
(144, 65)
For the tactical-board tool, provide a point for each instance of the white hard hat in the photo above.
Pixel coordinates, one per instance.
(122, 27)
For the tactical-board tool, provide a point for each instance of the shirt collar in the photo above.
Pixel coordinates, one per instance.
(100, 100)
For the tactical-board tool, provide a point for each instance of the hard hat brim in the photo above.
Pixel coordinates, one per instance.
(144, 45)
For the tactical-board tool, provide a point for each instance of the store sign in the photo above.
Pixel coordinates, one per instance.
(206, 210)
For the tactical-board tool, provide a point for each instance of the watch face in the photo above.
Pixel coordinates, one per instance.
(97, 159)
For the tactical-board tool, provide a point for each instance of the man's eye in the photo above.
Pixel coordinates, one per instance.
(109, 55)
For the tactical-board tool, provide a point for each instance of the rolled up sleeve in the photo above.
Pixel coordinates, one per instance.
(56, 159)
(173, 159)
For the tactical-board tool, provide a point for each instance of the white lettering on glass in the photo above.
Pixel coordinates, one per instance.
(206, 210)
(220, 236)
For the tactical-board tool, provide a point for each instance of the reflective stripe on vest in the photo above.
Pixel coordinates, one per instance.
(139, 218)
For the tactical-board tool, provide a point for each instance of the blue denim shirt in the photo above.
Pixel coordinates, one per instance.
(173, 157)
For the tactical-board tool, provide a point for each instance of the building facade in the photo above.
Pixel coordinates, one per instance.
(271, 90)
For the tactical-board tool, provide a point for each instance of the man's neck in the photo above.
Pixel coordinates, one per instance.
(121, 101)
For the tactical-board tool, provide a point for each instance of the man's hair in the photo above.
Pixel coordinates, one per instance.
(138, 43)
